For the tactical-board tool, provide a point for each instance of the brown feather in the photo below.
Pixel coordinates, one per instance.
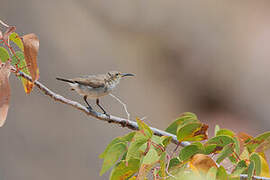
(97, 81)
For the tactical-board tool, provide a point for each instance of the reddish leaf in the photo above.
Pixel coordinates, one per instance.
(244, 137)
(1, 35)
(4, 91)
(8, 32)
(31, 46)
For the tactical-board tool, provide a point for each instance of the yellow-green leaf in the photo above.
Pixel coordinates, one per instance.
(112, 156)
(126, 138)
(188, 151)
(17, 40)
(187, 117)
(22, 64)
(225, 132)
(239, 169)
(226, 152)
(220, 140)
(144, 128)
(124, 170)
(211, 174)
(147, 163)
(257, 162)
(192, 132)
(250, 170)
(221, 173)
(4, 56)
(137, 141)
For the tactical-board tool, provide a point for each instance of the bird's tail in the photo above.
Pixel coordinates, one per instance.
(65, 80)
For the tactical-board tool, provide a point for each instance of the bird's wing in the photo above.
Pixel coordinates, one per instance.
(92, 81)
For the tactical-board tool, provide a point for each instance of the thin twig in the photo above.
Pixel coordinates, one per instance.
(167, 167)
(4, 24)
(123, 104)
(111, 119)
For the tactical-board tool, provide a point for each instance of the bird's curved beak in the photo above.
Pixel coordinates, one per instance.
(127, 74)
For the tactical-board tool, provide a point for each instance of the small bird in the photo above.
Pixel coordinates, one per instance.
(95, 86)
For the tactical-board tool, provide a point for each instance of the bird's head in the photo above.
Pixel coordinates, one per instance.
(116, 76)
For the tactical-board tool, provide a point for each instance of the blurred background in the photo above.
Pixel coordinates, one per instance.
(209, 57)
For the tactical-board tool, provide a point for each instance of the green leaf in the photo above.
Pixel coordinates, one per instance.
(239, 169)
(17, 40)
(237, 145)
(175, 162)
(217, 128)
(144, 128)
(210, 148)
(211, 174)
(126, 138)
(125, 170)
(151, 157)
(22, 64)
(192, 132)
(156, 139)
(199, 144)
(166, 140)
(4, 56)
(188, 151)
(112, 156)
(255, 142)
(221, 173)
(185, 118)
(149, 160)
(225, 132)
(226, 152)
(162, 162)
(250, 170)
(258, 164)
(138, 140)
(233, 159)
(220, 140)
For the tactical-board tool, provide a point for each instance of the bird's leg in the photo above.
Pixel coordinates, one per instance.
(89, 107)
(101, 107)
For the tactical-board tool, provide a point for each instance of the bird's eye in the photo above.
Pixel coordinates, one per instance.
(117, 74)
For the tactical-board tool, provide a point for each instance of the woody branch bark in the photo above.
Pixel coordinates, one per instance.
(111, 119)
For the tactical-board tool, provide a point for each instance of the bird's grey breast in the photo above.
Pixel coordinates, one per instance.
(89, 91)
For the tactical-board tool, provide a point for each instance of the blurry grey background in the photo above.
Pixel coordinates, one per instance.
(209, 57)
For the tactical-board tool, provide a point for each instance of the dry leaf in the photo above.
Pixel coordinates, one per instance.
(31, 46)
(4, 91)
(244, 136)
(201, 163)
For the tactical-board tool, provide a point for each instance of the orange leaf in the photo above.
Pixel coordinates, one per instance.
(31, 46)
(244, 137)
(201, 163)
(4, 91)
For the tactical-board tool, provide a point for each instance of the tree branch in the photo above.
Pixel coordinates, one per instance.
(111, 119)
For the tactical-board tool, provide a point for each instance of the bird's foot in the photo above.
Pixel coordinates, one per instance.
(89, 108)
(106, 115)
